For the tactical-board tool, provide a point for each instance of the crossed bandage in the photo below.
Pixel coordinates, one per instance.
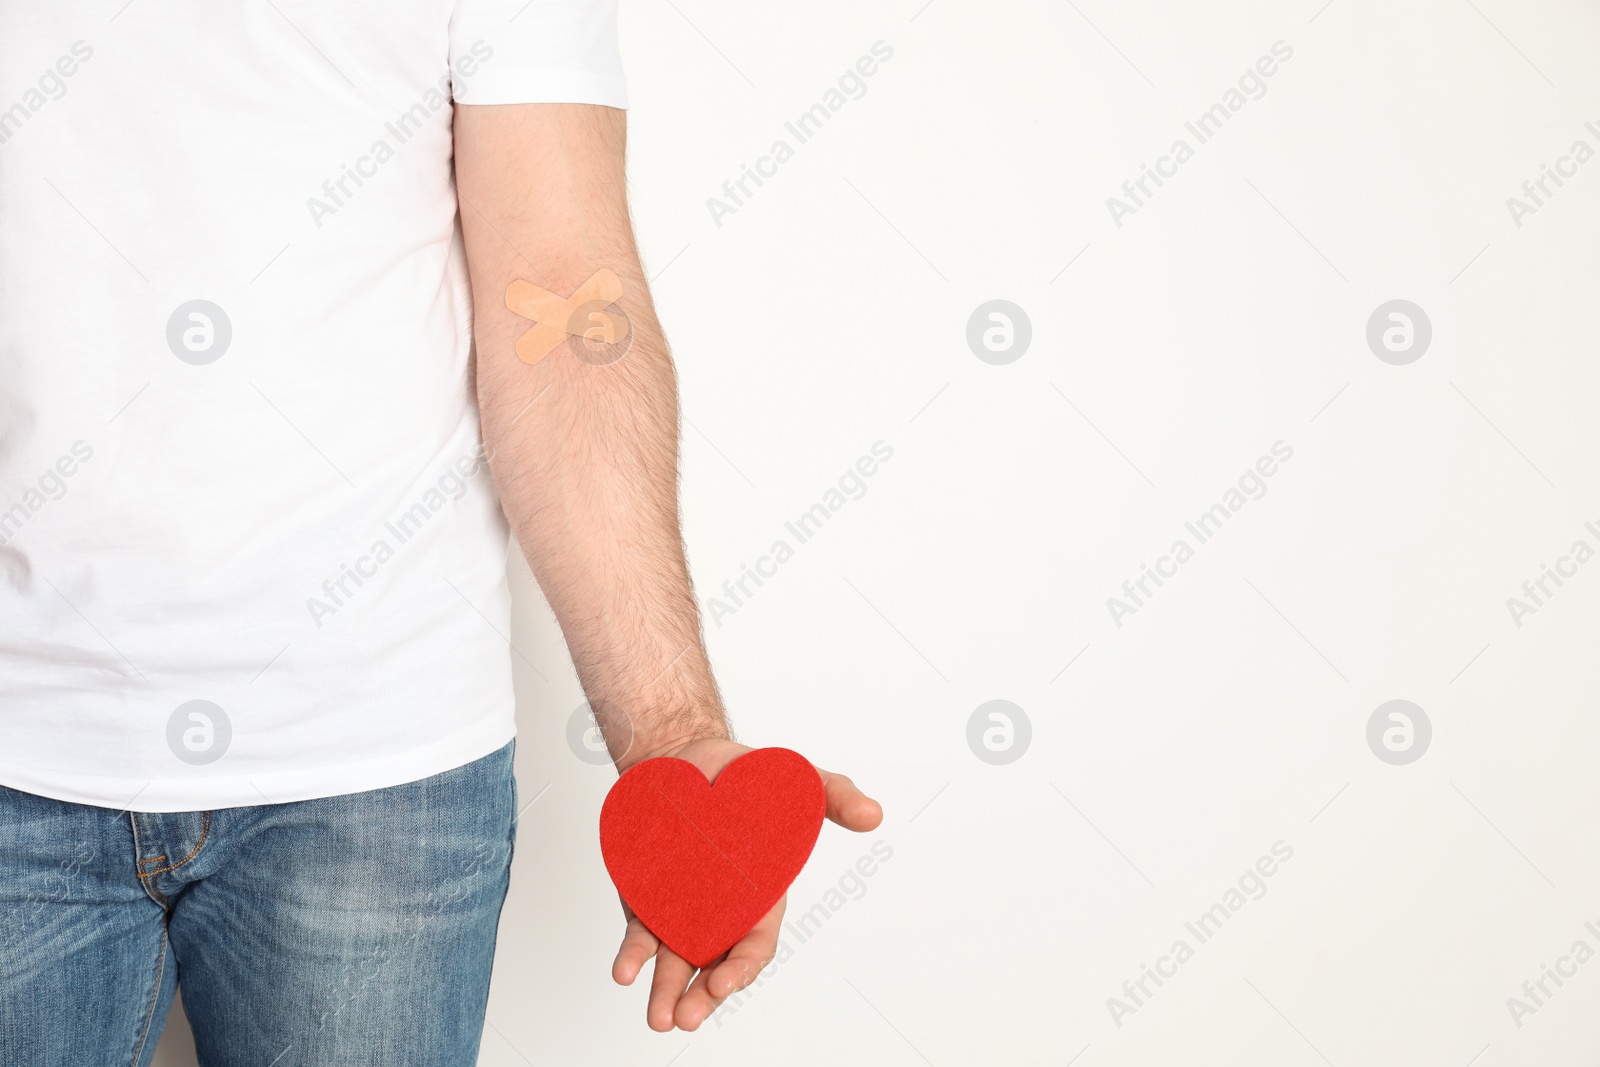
(556, 318)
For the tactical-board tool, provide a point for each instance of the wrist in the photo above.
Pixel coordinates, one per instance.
(671, 744)
(636, 734)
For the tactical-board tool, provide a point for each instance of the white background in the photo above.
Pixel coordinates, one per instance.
(1168, 754)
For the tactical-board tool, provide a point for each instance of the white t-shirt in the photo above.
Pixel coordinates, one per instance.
(249, 551)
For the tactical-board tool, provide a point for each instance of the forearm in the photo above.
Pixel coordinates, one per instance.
(585, 454)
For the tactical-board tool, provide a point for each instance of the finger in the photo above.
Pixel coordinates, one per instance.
(746, 960)
(638, 945)
(696, 1004)
(721, 979)
(666, 986)
(849, 806)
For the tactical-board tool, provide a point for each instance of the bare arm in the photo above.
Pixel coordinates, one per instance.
(585, 455)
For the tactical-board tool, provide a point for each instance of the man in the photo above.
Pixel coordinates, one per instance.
(256, 694)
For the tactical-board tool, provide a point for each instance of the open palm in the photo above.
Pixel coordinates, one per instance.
(678, 995)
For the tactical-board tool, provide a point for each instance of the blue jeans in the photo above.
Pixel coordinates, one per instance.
(351, 929)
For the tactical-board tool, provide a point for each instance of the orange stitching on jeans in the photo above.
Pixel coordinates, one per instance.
(153, 859)
(205, 828)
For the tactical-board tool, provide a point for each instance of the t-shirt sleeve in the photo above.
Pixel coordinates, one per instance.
(536, 52)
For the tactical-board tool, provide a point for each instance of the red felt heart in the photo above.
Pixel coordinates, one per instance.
(701, 864)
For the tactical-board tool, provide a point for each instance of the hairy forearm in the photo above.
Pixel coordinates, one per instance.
(585, 452)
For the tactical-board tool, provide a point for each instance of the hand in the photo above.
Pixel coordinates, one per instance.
(675, 1000)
